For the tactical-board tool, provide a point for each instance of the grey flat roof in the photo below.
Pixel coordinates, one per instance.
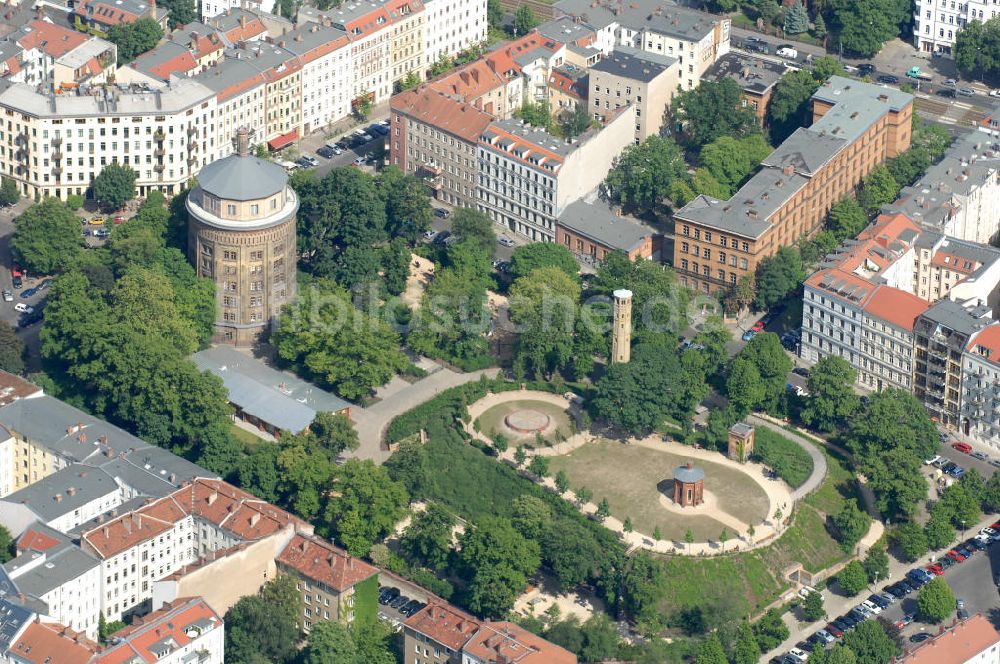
(163, 53)
(564, 30)
(239, 178)
(634, 64)
(279, 398)
(63, 563)
(153, 471)
(655, 15)
(754, 74)
(46, 421)
(596, 220)
(856, 106)
(953, 316)
(64, 491)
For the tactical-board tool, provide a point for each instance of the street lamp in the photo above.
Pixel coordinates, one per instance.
(963, 528)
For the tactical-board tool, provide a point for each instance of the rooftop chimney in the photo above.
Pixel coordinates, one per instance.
(212, 497)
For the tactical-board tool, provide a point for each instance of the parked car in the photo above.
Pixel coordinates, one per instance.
(102, 232)
(979, 455)
(441, 212)
(399, 602)
(905, 620)
(748, 335)
(17, 281)
(825, 636)
(28, 292)
(24, 308)
(948, 93)
(935, 569)
(957, 472)
(888, 79)
(955, 555)
(798, 655)
(942, 462)
(442, 237)
(866, 69)
(801, 371)
(872, 606)
(849, 620)
(966, 92)
(946, 562)
(933, 459)
(964, 448)
(758, 326)
(7, 296)
(834, 630)
(950, 82)
(896, 590)
(787, 51)
(387, 594)
(879, 601)
(326, 152)
(919, 637)
(962, 613)
(505, 241)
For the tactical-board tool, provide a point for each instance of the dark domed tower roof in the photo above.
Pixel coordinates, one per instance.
(241, 176)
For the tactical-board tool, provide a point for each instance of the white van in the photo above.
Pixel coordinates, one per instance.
(788, 52)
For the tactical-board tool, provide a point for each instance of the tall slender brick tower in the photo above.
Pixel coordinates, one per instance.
(621, 334)
(241, 234)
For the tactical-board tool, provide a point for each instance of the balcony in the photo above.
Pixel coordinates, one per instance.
(56, 141)
(192, 145)
(192, 131)
(159, 152)
(57, 155)
(158, 168)
(159, 136)
(192, 160)
(57, 170)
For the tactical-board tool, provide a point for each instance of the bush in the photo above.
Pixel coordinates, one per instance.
(74, 202)
(792, 463)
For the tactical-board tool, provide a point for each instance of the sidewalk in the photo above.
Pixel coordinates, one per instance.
(837, 605)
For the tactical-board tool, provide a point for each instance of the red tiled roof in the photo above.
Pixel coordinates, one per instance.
(246, 32)
(13, 388)
(238, 512)
(502, 60)
(35, 540)
(512, 644)
(842, 284)
(444, 624)
(469, 82)
(181, 63)
(957, 644)
(442, 112)
(367, 24)
(53, 40)
(323, 562)
(174, 621)
(534, 148)
(896, 306)
(986, 343)
(49, 643)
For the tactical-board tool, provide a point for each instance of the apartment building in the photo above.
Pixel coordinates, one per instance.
(697, 39)
(103, 15)
(443, 634)
(936, 25)
(334, 585)
(451, 27)
(55, 579)
(630, 76)
(325, 54)
(478, 85)
(941, 336)
(63, 500)
(527, 177)
(526, 63)
(408, 26)
(151, 542)
(979, 410)
(959, 196)
(39, 45)
(367, 24)
(181, 632)
(39, 642)
(856, 126)
(568, 89)
(436, 137)
(971, 641)
(212, 8)
(55, 145)
(756, 76)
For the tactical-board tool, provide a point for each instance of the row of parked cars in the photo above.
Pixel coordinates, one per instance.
(391, 596)
(914, 580)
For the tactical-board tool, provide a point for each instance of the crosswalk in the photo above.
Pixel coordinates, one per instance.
(956, 113)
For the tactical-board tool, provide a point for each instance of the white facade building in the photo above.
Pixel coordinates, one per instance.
(327, 73)
(212, 8)
(452, 26)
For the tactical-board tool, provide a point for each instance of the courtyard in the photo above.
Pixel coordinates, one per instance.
(636, 480)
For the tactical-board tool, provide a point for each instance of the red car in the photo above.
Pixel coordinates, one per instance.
(935, 569)
(996, 526)
(964, 448)
(955, 555)
(16, 270)
(758, 326)
(119, 220)
(835, 632)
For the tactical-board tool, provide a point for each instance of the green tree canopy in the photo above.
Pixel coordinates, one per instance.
(711, 110)
(527, 258)
(935, 601)
(323, 336)
(890, 439)
(427, 541)
(264, 627)
(878, 188)
(368, 505)
(473, 226)
(796, 19)
(730, 160)
(846, 218)
(11, 349)
(330, 642)
(9, 193)
(832, 399)
(778, 276)
(498, 559)
(870, 643)
(852, 578)
(711, 652)
(863, 26)
(637, 396)
(642, 176)
(812, 607)
(47, 237)
(911, 540)
(524, 21)
(134, 39)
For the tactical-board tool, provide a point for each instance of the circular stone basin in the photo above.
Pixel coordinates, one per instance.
(527, 421)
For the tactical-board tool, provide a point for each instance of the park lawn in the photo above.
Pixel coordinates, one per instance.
(244, 436)
(634, 478)
(792, 463)
(491, 421)
(744, 583)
